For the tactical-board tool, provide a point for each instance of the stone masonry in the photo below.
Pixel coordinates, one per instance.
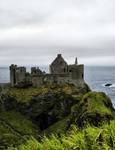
(60, 73)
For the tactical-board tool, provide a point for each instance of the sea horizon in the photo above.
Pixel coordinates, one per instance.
(95, 76)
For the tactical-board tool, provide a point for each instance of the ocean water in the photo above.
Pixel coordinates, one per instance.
(96, 77)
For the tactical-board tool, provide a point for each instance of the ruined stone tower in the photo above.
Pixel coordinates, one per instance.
(17, 74)
(13, 74)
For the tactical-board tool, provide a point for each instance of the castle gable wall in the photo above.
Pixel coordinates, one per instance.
(58, 66)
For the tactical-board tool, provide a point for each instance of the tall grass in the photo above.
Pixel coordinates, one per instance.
(89, 138)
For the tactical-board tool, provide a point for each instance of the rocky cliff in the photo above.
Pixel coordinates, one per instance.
(49, 109)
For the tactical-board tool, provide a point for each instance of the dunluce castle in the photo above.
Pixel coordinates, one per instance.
(60, 73)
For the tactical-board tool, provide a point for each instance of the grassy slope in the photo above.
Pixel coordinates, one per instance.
(15, 128)
(95, 107)
(97, 102)
(90, 137)
(57, 128)
(90, 103)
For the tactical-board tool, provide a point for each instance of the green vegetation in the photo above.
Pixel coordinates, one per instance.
(95, 107)
(24, 95)
(57, 128)
(15, 128)
(90, 138)
(19, 122)
(56, 118)
(97, 102)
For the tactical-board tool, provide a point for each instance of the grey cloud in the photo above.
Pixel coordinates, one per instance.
(35, 28)
(23, 12)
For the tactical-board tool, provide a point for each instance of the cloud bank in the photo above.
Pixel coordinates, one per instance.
(34, 31)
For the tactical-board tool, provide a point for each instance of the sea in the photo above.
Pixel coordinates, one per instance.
(95, 76)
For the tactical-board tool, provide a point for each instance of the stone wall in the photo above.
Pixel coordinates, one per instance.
(37, 81)
(20, 74)
(60, 73)
(76, 71)
(48, 79)
(17, 74)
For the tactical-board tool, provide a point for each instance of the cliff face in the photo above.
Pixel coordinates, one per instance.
(34, 111)
(44, 107)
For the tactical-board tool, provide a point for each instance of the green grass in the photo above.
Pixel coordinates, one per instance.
(15, 128)
(90, 138)
(56, 128)
(24, 95)
(19, 122)
(94, 108)
(96, 102)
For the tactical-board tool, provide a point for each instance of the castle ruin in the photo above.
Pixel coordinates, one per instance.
(60, 73)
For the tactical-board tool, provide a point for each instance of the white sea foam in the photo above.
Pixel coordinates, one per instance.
(113, 85)
(103, 85)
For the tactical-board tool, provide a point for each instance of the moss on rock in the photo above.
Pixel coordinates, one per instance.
(94, 108)
(24, 95)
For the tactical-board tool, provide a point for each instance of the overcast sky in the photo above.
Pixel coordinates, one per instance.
(34, 31)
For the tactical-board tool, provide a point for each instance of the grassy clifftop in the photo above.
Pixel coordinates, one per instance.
(90, 138)
(35, 112)
(24, 95)
(94, 107)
